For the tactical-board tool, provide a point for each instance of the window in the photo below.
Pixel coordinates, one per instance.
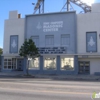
(34, 63)
(13, 44)
(36, 40)
(13, 63)
(91, 42)
(49, 40)
(7, 64)
(50, 63)
(67, 63)
(10, 63)
(65, 39)
(84, 67)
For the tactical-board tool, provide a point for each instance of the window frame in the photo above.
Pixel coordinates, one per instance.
(17, 43)
(46, 42)
(61, 63)
(87, 41)
(35, 37)
(67, 37)
(44, 68)
(36, 68)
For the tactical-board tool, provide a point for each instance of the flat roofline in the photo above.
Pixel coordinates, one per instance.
(51, 13)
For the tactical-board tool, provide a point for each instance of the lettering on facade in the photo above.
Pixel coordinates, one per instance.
(52, 50)
(50, 26)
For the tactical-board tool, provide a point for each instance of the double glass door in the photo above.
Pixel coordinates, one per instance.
(84, 67)
(20, 64)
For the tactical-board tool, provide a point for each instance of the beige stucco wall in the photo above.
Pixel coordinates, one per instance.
(96, 7)
(87, 22)
(13, 26)
(94, 64)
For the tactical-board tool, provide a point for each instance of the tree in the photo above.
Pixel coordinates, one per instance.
(1, 51)
(28, 50)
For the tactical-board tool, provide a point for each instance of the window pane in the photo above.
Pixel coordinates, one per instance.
(5, 67)
(9, 67)
(34, 63)
(13, 67)
(36, 40)
(50, 63)
(5, 63)
(9, 59)
(9, 63)
(49, 40)
(67, 63)
(5, 59)
(65, 39)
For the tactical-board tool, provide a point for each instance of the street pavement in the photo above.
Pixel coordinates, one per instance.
(46, 89)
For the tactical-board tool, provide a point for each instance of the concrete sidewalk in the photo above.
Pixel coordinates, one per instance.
(70, 77)
(11, 73)
(20, 74)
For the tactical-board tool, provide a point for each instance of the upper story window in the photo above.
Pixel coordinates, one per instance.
(65, 39)
(49, 40)
(36, 40)
(13, 44)
(91, 41)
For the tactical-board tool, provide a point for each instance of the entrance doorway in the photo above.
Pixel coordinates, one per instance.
(84, 67)
(20, 64)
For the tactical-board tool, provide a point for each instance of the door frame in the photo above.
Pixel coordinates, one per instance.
(20, 59)
(84, 72)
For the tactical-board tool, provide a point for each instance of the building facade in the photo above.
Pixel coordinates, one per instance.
(68, 42)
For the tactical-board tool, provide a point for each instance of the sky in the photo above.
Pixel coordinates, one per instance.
(25, 7)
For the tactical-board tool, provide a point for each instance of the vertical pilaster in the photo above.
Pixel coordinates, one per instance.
(2, 63)
(25, 65)
(76, 64)
(58, 64)
(41, 64)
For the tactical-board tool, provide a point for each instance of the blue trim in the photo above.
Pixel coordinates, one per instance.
(58, 70)
(97, 73)
(76, 64)
(58, 64)
(41, 64)
(0, 59)
(2, 63)
(25, 65)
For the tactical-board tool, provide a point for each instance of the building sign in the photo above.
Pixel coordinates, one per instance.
(52, 50)
(57, 25)
(50, 26)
